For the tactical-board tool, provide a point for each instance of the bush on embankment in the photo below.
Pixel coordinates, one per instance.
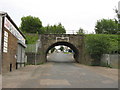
(31, 38)
(98, 44)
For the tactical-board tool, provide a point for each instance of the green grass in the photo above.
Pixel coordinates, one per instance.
(40, 63)
(31, 38)
(67, 53)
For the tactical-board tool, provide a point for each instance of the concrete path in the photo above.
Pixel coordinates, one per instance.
(61, 75)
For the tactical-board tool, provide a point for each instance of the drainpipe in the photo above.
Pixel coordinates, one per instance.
(2, 15)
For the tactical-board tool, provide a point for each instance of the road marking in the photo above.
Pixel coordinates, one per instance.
(53, 82)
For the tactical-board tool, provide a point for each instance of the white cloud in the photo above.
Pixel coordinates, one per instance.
(73, 14)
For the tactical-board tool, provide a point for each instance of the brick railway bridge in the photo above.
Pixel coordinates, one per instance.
(48, 41)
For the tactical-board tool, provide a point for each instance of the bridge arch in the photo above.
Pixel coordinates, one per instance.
(76, 51)
(74, 41)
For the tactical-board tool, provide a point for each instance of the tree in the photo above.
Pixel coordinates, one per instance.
(96, 45)
(106, 26)
(53, 49)
(61, 48)
(60, 29)
(118, 19)
(55, 29)
(118, 15)
(30, 24)
(80, 31)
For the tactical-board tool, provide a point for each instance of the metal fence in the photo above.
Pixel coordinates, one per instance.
(33, 48)
(31, 52)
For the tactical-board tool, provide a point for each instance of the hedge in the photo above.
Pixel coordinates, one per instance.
(98, 44)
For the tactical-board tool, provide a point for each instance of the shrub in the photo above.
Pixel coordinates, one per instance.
(96, 45)
(113, 39)
(31, 38)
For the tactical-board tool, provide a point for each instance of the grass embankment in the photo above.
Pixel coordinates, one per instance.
(31, 38)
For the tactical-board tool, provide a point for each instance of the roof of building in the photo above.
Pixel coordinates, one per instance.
(4, 14)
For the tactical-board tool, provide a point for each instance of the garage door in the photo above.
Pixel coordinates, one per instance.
(20, 56)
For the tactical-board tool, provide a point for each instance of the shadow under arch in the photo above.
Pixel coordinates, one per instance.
(76, 52)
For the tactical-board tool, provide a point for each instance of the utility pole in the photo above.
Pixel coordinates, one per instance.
(36, 47)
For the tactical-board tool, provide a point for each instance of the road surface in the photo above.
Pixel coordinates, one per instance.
(61, 74)
(60, 57)
(0, 81)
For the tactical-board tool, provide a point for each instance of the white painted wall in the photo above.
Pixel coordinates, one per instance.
(110, 59)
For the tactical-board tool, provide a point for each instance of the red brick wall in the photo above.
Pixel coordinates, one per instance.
(9, 57)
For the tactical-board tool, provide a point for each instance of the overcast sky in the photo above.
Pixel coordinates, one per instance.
(73, 14)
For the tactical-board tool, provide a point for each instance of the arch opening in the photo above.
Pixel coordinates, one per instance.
(67, 44)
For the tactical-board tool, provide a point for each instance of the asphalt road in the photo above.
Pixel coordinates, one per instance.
(0, 81)
(61, 72)
(60, 58)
